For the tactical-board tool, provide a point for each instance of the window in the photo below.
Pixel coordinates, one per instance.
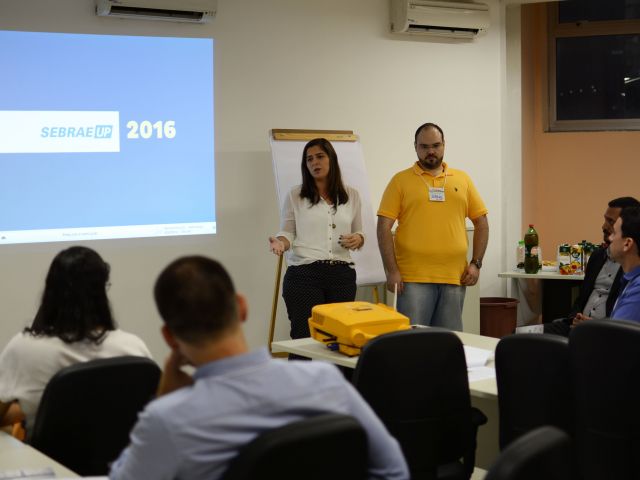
(594, 66)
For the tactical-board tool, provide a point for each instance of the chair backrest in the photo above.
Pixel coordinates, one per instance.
(605, 365)
(88, 409)
(316, 448)
(543, 453)
(416, 381)
(534, 384)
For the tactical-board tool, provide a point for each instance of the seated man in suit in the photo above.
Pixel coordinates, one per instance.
(601, 284)
(199, 423)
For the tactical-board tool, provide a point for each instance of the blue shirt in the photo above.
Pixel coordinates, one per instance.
(195, 431)
(628, 305)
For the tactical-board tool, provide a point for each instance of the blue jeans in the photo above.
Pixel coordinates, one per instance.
(433, 304)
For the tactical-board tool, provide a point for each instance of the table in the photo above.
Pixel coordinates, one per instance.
(484, 393)
(310, 348)
(549, 294)
(16, 455)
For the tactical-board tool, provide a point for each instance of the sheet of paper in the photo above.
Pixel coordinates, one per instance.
(477, 357)
(30, 473)
(530, 329)
(481, 373)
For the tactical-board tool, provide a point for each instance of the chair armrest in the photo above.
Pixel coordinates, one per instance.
(477, 417)
(469, 459)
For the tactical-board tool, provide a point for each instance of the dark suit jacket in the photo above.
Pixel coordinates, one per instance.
(597, 260)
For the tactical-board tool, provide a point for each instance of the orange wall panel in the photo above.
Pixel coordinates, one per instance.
(568, 177)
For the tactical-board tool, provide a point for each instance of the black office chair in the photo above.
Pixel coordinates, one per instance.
(88, 409)
(416, 381)
(317, 448)
(605, 365)
(543, 453)
(534, 384)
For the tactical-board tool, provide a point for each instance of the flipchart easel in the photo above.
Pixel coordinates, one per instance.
(286, 149)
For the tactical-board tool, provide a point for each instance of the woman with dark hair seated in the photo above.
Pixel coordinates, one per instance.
(321, 223)
(73, 324)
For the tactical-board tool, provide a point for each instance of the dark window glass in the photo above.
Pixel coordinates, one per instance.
(597, 10)
(598, 77)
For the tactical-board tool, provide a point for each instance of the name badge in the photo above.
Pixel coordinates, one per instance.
(436, 194)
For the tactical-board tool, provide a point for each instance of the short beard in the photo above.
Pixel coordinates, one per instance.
(431, 166)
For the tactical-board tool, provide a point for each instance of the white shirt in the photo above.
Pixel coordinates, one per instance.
(314, 231)
(27, 363)
(596, 306)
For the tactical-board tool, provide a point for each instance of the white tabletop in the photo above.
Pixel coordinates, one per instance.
(310, 348)
(540, 275)
(16, 455)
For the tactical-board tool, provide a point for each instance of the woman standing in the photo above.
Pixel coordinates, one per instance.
(321, 222)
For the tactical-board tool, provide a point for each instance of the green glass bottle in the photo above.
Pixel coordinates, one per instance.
(531, 263)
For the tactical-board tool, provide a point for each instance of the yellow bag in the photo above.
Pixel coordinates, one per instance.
(347, 326)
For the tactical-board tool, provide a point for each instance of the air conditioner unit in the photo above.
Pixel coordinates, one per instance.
(443, 19)
(193, 11)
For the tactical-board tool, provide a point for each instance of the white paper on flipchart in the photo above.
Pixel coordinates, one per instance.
(287, 156)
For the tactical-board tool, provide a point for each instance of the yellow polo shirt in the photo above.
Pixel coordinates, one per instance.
(431, 240)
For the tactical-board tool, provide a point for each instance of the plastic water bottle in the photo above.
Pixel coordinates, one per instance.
(520, 256)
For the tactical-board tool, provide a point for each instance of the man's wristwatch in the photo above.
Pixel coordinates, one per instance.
(477, 262)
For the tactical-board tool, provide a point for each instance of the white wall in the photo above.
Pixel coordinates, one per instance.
(511, 203)
(327, 64)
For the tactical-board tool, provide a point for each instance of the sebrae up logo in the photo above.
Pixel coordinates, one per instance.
(97, 131)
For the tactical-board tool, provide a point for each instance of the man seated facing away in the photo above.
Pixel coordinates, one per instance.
(199, 423)
(625, 249)
(601, 285)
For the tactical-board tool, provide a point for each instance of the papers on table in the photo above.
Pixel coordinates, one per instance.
(477, 357)
(477, 361)
(481, 373)
(530, 329)
(29, 473)
(36, 474)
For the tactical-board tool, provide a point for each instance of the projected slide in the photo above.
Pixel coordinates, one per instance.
(105, 137)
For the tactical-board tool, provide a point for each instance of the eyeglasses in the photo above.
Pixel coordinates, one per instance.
(435, 146)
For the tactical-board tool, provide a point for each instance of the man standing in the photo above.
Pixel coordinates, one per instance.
(601, 285)
(199, 423)
(428, 263)
(625, 249)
